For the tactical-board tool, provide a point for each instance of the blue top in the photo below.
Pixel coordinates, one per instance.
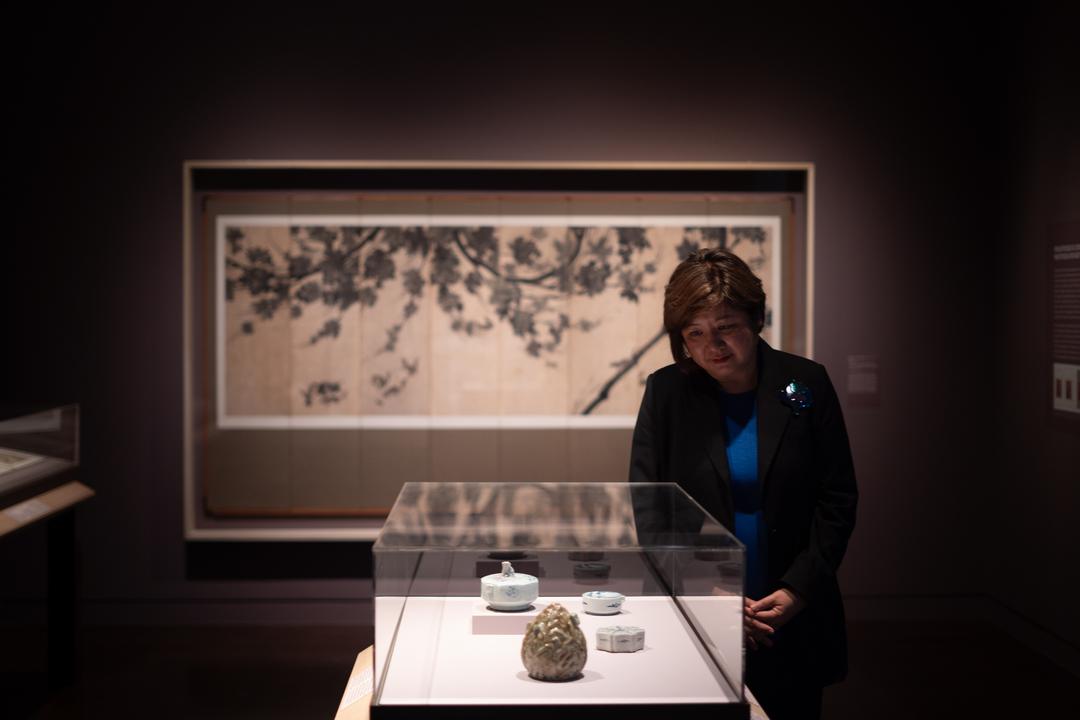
(740, 424)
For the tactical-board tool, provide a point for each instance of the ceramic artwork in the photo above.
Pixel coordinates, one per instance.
(508, 590)
(554, 647)
(602, 602)
(620, 638)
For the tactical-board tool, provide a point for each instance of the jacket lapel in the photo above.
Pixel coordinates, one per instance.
(710, 422)
(772, 414)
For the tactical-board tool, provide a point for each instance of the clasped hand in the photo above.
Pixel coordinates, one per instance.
(762, 618)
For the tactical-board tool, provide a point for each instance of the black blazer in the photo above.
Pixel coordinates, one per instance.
(807, 475)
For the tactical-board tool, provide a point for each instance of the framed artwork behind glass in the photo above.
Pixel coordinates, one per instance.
(352, 326)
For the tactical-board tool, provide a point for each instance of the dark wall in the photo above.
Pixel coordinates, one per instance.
(1038, 478)
(906, 121)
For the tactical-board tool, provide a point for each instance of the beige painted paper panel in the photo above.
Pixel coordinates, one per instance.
(464, 325)
(395, 373)
(325, 323)
(255, 338)
(650, 339)
(619, 273)
(532, 359)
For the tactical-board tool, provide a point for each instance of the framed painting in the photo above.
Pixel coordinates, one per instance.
(353, 326)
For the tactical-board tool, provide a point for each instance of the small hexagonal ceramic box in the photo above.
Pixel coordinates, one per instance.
(620, 638)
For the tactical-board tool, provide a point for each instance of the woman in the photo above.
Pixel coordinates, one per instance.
(756, 436)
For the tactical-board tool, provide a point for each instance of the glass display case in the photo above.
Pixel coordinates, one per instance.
(38, 449)
(441, 650)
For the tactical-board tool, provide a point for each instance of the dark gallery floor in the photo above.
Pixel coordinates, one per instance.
(899, 670)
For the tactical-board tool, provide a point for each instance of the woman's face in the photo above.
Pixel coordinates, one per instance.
(723, 344)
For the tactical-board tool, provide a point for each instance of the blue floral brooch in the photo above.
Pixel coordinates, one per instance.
(797, 397)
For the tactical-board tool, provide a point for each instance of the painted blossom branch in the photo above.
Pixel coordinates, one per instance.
(624, 368)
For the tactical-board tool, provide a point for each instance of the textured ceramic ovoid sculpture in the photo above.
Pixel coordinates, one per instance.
(554, 646)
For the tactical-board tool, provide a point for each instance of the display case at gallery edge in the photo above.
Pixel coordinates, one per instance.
(443, 651)
(39, 450)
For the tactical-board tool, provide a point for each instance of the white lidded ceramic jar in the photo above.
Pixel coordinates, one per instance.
(509, 590)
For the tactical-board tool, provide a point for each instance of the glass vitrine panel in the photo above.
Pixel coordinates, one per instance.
(439, 645)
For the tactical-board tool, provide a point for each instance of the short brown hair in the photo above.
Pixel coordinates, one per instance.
(704, 280)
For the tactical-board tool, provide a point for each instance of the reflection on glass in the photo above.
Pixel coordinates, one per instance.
(549, 515)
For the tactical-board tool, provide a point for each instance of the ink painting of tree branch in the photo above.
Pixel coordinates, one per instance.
(485, 319)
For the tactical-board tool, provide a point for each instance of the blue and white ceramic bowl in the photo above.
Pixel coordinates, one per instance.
(602, 602)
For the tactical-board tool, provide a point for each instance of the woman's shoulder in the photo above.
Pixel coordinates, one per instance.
(672, 382)
(667, 373)
(796, 363)
(669, 376)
